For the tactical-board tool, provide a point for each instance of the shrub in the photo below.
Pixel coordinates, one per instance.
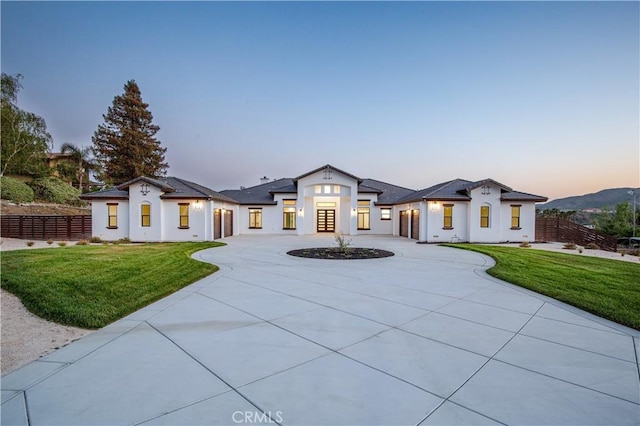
(14, 190)
(49, 242)
(634, 252)
(343, 244)
(124, 240)
(30, 243)
(62, 243)
(592, 246)
(55, 191)
(569, 246)
(82, 243)
(95, 240)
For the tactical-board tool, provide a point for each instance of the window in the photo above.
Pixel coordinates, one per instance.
(184, 215)
(145, 214)
(364, 215)
(327, 189)
(484, 216)
(385, 214)
(318, 189)
(112, 212)
(325, 204)
(289, 214)
(448, 216)
(255, 218)
(336, 189)
(515, 216)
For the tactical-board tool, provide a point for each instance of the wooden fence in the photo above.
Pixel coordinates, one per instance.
(554, 229)
(46, 227)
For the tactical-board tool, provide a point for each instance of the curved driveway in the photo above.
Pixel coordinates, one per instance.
(424, 337)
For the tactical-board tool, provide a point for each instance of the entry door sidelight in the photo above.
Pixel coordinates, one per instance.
(326, 220)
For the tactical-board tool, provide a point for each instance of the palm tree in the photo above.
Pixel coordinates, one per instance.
(84, 161)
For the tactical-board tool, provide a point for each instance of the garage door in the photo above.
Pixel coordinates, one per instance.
(217, 225)
(404, 224)
(228, 223)
(415, 225)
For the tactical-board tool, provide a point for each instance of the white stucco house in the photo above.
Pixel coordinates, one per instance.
(326, 199)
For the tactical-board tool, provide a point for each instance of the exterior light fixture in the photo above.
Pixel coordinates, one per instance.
(327, 173)
(145, 189)
(434, 206)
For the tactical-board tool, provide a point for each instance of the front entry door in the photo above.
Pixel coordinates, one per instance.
(326, 220)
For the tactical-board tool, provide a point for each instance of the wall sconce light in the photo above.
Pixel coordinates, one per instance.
(327, 173)
(197, 205)
(300, 212)
(354, 212)
(223, 211)
(434, 206)
(144, 189)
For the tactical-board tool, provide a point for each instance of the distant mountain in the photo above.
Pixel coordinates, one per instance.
(598, 200)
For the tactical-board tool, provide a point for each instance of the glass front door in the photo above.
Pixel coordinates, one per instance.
(326, 220)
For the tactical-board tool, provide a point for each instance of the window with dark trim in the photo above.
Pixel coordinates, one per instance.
(515, 216)
(448, 216)
(145, 215)
(484, 216)
(364, 215)
(385, 213)
(112, 213)
(184, 215)
(289, 214)
(255, 218)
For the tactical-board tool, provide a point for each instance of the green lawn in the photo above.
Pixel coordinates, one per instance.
(92, 286)
(607, 288)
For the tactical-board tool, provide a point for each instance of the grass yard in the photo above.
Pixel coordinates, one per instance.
(607, 288)
(92, 286)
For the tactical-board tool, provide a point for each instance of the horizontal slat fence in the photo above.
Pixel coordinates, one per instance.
(555, 229)
(46, 227)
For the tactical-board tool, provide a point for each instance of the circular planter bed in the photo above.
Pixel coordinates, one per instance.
(336, 253)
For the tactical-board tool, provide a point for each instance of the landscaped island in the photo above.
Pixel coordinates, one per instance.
(340, 254)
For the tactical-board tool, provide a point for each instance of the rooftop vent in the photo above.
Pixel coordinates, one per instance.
(264, 179)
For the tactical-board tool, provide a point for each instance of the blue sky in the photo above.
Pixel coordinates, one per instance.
(541, 96)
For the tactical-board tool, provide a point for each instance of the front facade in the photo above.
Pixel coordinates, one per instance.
(324, 200)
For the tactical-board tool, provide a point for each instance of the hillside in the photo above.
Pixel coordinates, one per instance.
(606, 197)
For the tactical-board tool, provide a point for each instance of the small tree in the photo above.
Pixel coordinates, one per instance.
(125, 145)
(617, 222)
(25, 140)
(84, 163)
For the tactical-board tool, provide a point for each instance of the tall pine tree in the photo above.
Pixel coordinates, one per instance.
(125, 146)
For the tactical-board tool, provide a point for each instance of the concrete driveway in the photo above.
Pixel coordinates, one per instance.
(424, 337)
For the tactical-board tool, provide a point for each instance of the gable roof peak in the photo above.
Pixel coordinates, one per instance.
(328, 168)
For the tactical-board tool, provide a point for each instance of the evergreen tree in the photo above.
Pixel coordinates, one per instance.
(125, 146)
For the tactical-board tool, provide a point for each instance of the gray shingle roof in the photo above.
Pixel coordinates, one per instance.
(173, 187)
(522, 196)
(442, 191)
(113, 193)
(260, 194)
(186, 189)
(458, 190)
(387, 193)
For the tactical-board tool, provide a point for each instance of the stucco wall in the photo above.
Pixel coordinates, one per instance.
(527, 222)
(171, 221)
(137, 232)
(100, 220)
